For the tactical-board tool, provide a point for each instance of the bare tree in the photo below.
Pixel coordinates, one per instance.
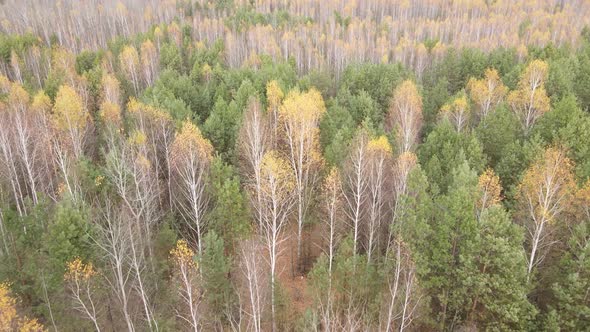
(355, 184)
(277, 200)
(253, 145)
(187, 275)
(190, 158)
(79, 277)
(255, 281)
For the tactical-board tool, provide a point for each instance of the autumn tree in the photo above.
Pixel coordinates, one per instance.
(10, 320)
(157, 126)
(254, 282)
(186, 274)
(277, 200)
(402, 297)
(529, 101)
(129, 62)
(71, 119)
(191, 155)
(149, 62)
(274, 97)
(379, 162)
(544, 193)
(490, 190)
(405, 112)
(253, 145)
(79, 277)
(355, 184)
(487, 93)
(300, 115)
(457, 111)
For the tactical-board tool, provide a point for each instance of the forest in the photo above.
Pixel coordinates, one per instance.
(272, 165)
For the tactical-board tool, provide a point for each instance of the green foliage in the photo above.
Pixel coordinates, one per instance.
(378, 80)
(496, 132)
(337, 128)
(229, 216)
(222, 127)
(445, 149)
(571, 306)
(215, 266)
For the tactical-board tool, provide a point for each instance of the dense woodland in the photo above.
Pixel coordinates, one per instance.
(294, 165)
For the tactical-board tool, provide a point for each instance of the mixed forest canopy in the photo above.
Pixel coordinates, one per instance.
(294, 165)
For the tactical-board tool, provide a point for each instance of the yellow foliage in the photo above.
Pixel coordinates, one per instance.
(487, 92)
(41, 102)
(136, 109)
(9, 318)
(333, 183)
(189, 140)
(182, 255)
(110, 89)
(206, 72)
(137, 138)
(110, 113)
(276, 171)
(379, 144)
(551, 173)
(274, 94)
(307, 106)
(490, 189)
(4, 84)
(18, 96)
(76, 270)
(8, 314)
(457, 112)
(534, 74)
(68, 111)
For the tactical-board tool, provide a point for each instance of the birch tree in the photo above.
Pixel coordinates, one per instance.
(79, 278)
(277, 198)
(379, 163)
(405, 113)
(300, 115)
(543, 194)
(191, 156)
(529, 101)
(186, 274)
(487, 93)
(253, 145)
(355, 184)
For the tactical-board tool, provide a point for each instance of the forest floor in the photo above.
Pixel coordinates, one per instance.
(294, 282)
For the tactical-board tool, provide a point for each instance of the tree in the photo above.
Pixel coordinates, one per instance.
(215, 268)
(10, 320)
(255, 282)
(487, 93)
(79, 280)
(253, 146)
(355, 184)
(457, 112)
(401, 299)
(186, 275)
(274, 97)
(490, 190)
(70, 119)
(149, 62)
(543, 194)
(129, 62)
(333, 204)
(300, 115)
(529, 101)
(277, 200)
(191, 155)
(405, 112)
(379, 156)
